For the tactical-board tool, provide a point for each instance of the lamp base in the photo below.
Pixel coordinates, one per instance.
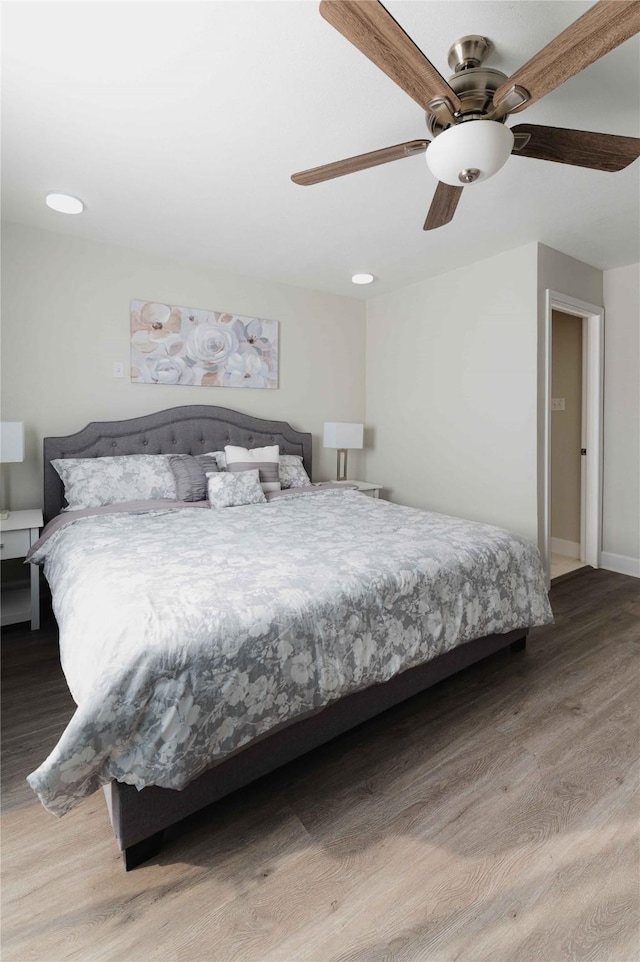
(341, 469)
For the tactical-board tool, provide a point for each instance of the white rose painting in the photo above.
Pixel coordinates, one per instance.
(181, 345)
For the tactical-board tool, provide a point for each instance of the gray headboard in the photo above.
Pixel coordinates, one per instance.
(193, 429)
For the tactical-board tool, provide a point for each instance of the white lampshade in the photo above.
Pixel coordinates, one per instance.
(343, 434)
(11, 441)
(476, 145)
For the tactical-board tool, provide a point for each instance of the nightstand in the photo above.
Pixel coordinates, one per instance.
(19, 531)
(372, 490)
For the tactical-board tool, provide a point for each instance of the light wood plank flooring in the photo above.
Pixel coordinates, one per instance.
(562, 565)
(492, 818)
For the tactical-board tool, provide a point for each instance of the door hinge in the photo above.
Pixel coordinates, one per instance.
(583, 451)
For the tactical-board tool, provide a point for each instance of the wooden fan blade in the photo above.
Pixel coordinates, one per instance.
(602, 28)
(372, 29)
(443, 206)
(349, 166)
(582, 148)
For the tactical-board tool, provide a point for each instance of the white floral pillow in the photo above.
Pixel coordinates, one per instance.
(292, 472)
(92, 482)
(221, 460)
(230, 490)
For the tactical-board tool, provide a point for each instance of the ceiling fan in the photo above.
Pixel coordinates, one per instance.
(467, 115)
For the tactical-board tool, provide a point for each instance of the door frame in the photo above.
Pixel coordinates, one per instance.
(583, 440)
(593, 411)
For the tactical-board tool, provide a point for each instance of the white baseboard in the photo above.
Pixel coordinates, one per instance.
(569, 549)
(620, 563)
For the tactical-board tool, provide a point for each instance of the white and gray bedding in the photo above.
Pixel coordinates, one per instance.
(185, 634)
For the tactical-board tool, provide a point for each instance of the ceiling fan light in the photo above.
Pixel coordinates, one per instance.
(475, 145)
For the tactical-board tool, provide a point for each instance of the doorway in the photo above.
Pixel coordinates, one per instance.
(572, 427)
(567, 443)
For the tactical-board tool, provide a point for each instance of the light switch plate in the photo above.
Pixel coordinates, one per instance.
(557, 404)
(118, 369)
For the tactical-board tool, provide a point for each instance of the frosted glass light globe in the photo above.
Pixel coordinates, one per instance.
(475, 145)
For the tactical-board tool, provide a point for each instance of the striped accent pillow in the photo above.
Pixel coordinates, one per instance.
(266, 460)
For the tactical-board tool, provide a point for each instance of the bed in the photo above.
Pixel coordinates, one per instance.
(239, 639)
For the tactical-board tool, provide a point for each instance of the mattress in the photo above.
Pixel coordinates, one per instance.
(187, 633)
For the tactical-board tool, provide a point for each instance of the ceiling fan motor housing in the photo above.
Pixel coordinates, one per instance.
(473, 83)
(469, 51)
(475, 87)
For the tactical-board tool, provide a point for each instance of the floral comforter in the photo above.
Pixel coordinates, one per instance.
(185, 634)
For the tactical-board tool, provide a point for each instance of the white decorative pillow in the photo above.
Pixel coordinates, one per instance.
(221, 461)
(228, 490)
(266, 460)
(92, 482)
(292, 472)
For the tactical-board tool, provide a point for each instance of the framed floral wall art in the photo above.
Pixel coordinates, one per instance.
(182, 345)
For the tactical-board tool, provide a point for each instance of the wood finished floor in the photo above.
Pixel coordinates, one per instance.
(562, 565)
(492, 818)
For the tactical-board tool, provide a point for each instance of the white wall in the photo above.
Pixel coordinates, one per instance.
(621, 507)
(451, 369)
(65, 320)
(452, 391)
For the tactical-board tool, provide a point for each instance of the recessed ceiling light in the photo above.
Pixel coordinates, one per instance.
(362, 279)
(65, 203)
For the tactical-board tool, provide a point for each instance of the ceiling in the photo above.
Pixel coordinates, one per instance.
(180, 123)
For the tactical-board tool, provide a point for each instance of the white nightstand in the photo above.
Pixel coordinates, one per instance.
(366, 487)
(19, 531)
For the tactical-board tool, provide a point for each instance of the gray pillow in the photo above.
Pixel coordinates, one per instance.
(190, 475)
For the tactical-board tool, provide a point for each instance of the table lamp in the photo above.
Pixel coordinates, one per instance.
(343, 435)
(11, 448)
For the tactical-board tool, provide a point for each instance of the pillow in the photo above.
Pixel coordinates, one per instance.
(221, 461)
(228, 490)
(266, 460)
(190, 475)
(292, 472)
(91, 482)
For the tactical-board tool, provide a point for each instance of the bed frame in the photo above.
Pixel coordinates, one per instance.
(139, 818)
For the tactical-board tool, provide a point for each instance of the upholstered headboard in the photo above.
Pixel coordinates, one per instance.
(193, 429)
